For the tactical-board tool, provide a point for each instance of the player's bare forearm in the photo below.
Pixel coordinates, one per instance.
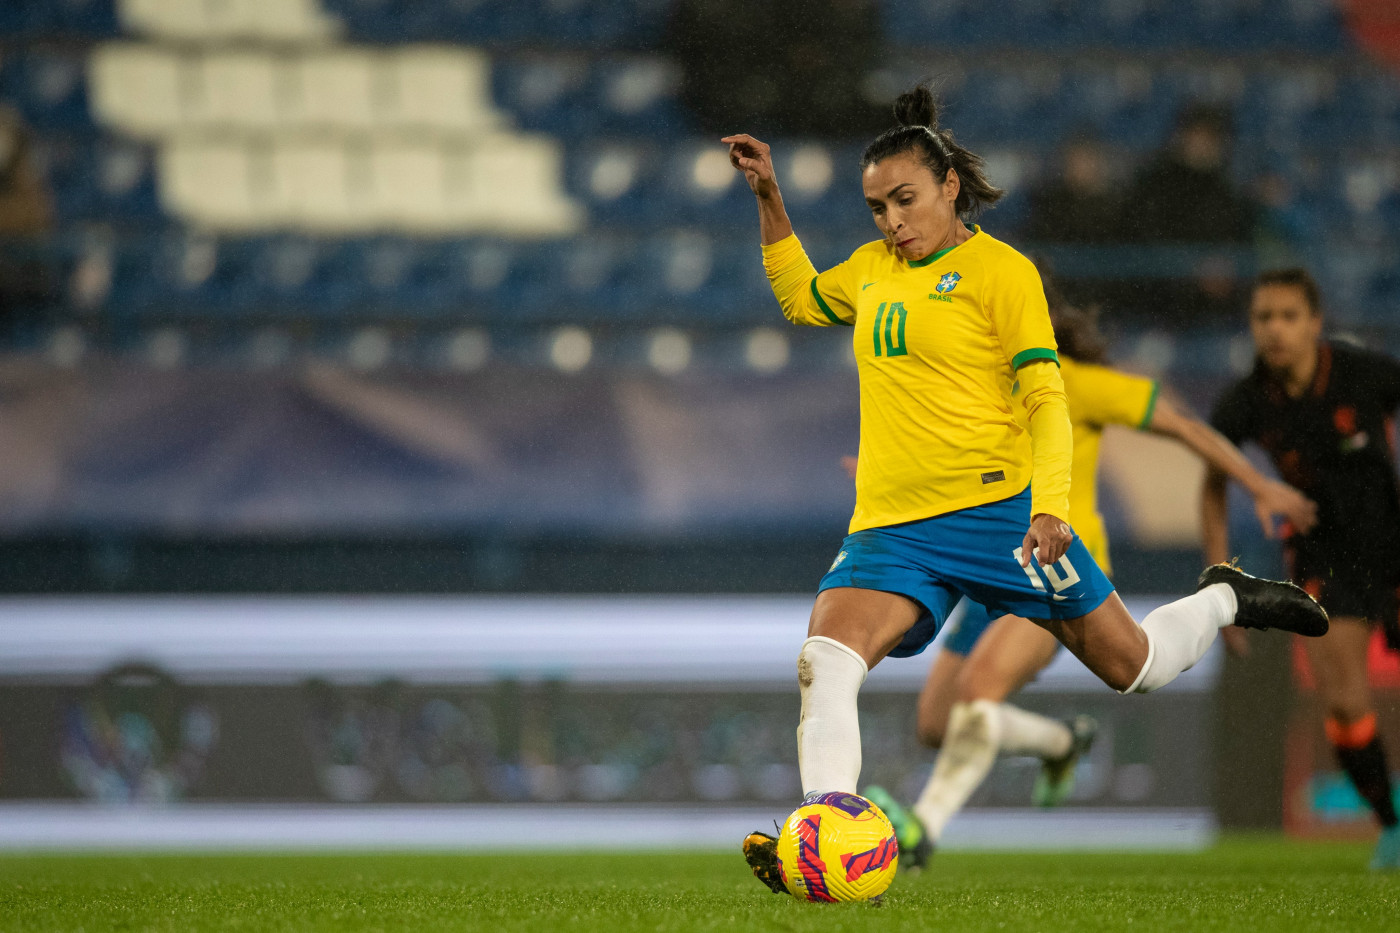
(754, 158)
(1208, 444)
(773, 223)
(1215, 529)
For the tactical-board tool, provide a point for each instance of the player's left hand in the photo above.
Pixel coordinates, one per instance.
(1047, 539)
(1282, 499)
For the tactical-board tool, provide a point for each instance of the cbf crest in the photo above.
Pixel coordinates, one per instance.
(947, 283)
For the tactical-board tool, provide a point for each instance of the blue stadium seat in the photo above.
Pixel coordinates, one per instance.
(100, 178)
(302, 276)
(182, 275)
(86, 18)
(48, 86)
(547, 94)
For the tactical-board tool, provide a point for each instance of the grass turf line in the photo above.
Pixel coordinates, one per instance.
(1260, 885)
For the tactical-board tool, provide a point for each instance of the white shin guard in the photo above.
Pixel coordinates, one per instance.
(828, 735)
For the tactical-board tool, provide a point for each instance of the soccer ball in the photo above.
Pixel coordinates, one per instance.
(837, 847)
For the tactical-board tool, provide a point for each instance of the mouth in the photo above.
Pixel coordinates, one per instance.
(904, 244)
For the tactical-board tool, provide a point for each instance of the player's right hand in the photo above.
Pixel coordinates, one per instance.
(1282, 499)
(755, 159)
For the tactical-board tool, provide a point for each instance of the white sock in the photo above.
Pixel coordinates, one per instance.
(1027, 733)
(828, 735)
(1180, 633)
(969, 748)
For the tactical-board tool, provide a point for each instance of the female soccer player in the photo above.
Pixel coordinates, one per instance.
(961, 707)
(1324, 413)
(952, 496)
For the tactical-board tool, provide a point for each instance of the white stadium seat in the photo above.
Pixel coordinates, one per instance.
(443, 88)
(515, 186)
(322, 185)
(409, 186)
(138, 88)
(343, 89)
(220, 20)
(214, 184)
(242, 89)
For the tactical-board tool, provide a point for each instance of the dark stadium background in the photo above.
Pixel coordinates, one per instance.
(461, 298)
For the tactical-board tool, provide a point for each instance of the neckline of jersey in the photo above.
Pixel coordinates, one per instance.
(929, 260)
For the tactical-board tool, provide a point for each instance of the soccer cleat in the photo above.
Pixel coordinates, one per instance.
(761, 852)
(1055, 782)
(1386, 857)
(915, 846)
(1266, 604)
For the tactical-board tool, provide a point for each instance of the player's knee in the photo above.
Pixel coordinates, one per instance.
(825, 660)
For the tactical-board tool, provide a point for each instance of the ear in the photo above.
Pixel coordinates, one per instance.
(952, 185)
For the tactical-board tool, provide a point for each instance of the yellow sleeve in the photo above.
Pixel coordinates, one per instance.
(1103, 396)
(1052, 441)
(805, 296)
(1014, 301)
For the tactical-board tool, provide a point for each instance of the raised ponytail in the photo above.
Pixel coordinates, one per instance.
(916, 111)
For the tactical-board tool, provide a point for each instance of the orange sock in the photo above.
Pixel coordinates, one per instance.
(1351, 735)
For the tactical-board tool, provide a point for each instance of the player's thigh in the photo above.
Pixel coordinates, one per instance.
(869, 622)
(1339, 665)
(1006, 658)
(1106, 640)
(937, 696)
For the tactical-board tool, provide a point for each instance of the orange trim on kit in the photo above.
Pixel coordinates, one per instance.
(1354, 735)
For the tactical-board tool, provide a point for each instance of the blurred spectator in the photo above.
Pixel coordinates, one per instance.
(1078, 206)
(26, 213)
(778, 67)
(25, 205)
(1286, 222)
(1185, 197)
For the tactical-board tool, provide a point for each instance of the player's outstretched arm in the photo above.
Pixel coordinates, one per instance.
(755, 159)
(1271, 498)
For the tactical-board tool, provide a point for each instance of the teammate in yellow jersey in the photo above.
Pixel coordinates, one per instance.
(954, 496)
(983, 661)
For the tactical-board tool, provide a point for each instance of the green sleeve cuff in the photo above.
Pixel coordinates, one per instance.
(1027, 356)
(1151, 407)
(826, 309)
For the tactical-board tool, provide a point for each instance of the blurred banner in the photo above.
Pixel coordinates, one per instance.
(531, 699)
(331, 450)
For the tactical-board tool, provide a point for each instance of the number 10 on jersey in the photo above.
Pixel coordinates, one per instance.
(889, 330)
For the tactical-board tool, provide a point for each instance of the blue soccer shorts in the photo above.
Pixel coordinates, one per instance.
(972, 552)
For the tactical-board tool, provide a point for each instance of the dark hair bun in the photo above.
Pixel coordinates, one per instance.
(917, 107)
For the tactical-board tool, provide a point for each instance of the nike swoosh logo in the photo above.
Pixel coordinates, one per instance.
(866, 285)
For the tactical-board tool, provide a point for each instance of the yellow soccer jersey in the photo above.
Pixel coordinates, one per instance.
(937, 343)
(1098, 397)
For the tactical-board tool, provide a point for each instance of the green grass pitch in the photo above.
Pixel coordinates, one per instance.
(1262, 885)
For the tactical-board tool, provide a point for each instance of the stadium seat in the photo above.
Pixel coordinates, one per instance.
(316, 185)
(48, 87)
(214, 184)
(343, 89)
(140, 89)
(239, 89)
(442, 88)
(224, 20)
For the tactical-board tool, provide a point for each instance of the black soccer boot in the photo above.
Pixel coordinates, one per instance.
(761, 852)
(1266, 604)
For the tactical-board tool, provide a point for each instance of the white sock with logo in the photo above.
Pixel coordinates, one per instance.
(828, 735)
(1180, 633)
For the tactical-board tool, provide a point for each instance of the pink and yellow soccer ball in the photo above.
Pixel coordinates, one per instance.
(837, 847)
